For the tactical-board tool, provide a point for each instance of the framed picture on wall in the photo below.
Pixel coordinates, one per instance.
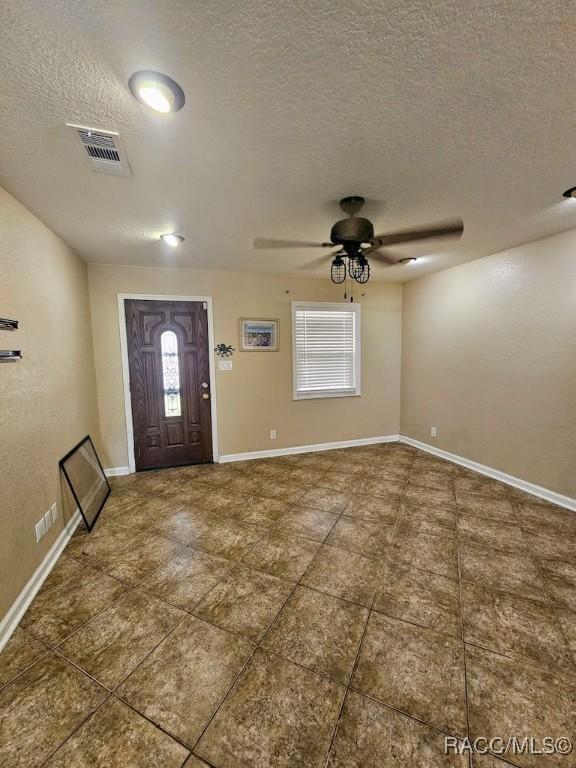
(258, 335)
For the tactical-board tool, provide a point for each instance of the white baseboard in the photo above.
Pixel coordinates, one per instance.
(516, 482)
(20, 605)
(225, 458)
(116, 471)
(496, 474)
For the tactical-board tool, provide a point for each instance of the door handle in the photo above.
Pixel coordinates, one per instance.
(205, 396)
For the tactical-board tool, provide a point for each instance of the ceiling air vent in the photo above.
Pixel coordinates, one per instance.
(102, 150)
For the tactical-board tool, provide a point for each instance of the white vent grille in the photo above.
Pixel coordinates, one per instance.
(102, 150)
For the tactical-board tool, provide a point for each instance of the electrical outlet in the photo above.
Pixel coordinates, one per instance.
(273, 434)
(40, 529)
(54, 511)
(433, 432)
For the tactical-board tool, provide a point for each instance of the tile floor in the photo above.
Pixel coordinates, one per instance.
(343, 609)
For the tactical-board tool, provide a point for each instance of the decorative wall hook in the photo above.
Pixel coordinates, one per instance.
(223, 350)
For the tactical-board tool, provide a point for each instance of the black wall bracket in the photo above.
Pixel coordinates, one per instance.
(10, 355)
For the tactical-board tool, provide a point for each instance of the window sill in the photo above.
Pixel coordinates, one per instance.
(323, 395)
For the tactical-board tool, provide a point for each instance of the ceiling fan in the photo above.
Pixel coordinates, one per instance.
(355, 239)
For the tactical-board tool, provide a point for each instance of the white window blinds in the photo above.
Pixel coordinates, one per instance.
(326, 349)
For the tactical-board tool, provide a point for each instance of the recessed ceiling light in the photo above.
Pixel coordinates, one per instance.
(408, 260)
(171, 239)
(157, 91)
(570, 192)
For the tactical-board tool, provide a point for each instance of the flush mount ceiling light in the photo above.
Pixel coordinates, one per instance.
(171, 239)
(157, 91)
(408, 260)
(570, 192)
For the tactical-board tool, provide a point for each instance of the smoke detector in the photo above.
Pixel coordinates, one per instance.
(103, 151)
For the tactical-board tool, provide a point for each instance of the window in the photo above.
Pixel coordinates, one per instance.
(326, 349)
(170, 373)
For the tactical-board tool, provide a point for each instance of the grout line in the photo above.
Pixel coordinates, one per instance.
(203, 760)
(84, 672)
(567, 675)
(405, 714)
(462, 632)
(544, 602)
(360, 644)
(75, 730)
(150, 652)
(47, 651)
(73, 632)
(114, 692)
(228, 692)
(553, 607)
(144, 716)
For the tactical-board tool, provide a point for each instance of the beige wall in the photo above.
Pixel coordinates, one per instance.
(489, 357)
(256, 395)
(48, 400)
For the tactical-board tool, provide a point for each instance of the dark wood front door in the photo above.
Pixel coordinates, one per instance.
(168, 354)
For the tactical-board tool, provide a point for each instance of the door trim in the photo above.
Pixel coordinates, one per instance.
(126, 374)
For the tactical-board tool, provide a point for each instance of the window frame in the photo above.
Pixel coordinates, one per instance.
(329, 305)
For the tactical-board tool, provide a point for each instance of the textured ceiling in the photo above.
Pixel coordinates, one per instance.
(429, 108)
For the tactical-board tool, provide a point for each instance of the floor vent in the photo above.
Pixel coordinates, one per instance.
(102, 150)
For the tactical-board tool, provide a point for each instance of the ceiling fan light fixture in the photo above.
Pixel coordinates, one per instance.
(359, 269)
(363, 274)
(338, 271)
(157, 91)
(571, 193)
(172, 239)
(408, 260)
(353, 265)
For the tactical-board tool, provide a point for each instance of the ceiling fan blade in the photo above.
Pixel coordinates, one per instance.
(321, 261)
(264, 243)
(383, 257)
(451, 230)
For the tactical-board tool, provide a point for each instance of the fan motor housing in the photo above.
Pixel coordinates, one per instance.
(353, 230)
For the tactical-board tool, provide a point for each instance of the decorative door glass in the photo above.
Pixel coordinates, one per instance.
(170, 374)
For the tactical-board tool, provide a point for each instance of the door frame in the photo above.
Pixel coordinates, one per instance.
(126, 371)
